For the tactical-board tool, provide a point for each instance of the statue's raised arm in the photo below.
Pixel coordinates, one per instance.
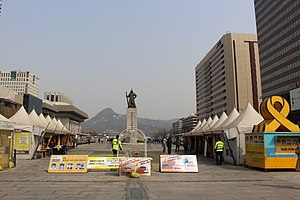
(130, 99)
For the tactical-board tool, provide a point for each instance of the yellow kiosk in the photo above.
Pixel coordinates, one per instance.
(272, 143)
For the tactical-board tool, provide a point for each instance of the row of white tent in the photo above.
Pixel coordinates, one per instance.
(243, 122)
(233, 127)
(35, 123)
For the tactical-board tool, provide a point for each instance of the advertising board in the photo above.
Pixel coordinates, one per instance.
(68, 163)
(178, 163)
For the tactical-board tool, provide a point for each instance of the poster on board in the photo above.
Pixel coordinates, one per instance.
(68, 163)
(141, 165)
(22, 143)
(178, 163)
(98, 162)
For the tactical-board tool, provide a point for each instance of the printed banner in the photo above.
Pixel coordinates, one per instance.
(99, 162)
(68, 163)
(141, 166)
(22, 143)
(178, 163)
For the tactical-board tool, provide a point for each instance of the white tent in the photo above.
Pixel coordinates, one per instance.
(199, 131)
(210, 123)
(232, 116)
(29, 130)
(205, 126)
(36, 119)
(236, 129)
(51, 126)
(222, 118)
(194, 129)
(42, 118)
(245, 121)
(61, 127)
(22, 120)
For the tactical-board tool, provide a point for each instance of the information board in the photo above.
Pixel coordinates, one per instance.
(139, 165)
(22, 143)
(68, 163)
(98, 162)
(178, 163)
(295, 99)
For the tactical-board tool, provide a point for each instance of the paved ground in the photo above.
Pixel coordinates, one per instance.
(30, 180)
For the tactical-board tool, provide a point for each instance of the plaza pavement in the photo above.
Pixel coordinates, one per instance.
(30, 180)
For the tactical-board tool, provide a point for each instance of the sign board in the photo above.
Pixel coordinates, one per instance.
(98, 162)
(6, 125)
(68, 163)
(178, 163)
(295, 99)
(141, 165)
(22, 143)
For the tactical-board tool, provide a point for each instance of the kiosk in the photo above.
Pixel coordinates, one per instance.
(273, 142)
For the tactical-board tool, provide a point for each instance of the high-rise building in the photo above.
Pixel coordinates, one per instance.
(189, 122)
(278, 31)
(228, 76)
(20, 82)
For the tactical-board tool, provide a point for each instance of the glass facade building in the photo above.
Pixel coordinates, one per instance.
(278, 32)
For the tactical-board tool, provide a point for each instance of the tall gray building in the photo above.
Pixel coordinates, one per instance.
(228, 76)
(278, 31)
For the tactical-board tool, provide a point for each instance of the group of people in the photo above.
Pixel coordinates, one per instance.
(166, 144)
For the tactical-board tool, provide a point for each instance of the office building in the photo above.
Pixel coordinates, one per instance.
(278, 31)
(20, 82)
(188, 123)
(228, 76)
(57, 97)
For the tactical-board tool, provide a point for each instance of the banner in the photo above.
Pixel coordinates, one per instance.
(141, 166)
(68, 163)
(98, 162)
(178, 163)
(22, 143)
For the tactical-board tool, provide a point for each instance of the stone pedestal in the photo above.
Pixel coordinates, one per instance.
(131, 118)
(132, 134)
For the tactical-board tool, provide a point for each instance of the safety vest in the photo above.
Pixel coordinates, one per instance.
(115, 144)
(219, 146)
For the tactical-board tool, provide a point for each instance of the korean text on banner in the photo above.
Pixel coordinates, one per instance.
(68, 163)
(178, 163)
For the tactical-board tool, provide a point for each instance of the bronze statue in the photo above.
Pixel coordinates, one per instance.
(130, 99)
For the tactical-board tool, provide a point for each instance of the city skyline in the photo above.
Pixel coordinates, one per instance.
(95, 52)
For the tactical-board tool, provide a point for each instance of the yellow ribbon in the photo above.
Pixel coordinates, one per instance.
(275, 111)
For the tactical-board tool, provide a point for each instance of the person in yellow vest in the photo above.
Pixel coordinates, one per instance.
(116, 145)
(219, 148)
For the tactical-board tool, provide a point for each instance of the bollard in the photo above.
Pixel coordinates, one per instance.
(15, 157)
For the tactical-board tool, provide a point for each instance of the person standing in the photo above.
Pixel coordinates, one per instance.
(116, 146)
(219, 148)
(164, 144)
(177, 144)
(169, 144)
(185, 145)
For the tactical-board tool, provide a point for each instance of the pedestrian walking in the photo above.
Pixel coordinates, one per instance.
(116, 145)
(169, 144)
(219, 148)
(164, 144)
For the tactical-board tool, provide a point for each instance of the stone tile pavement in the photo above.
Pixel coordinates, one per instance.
(30, 180)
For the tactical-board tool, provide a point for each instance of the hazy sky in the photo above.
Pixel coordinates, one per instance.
(96, 50)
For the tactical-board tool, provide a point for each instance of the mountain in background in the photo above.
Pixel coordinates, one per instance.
(108, 120)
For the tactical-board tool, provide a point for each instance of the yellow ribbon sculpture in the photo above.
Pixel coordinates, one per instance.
(275, 110)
